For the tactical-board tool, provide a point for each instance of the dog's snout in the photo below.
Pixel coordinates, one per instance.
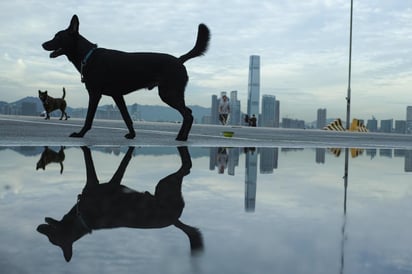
(46, 45)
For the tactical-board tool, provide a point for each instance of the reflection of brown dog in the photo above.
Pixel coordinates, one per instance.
(50, 156)
(112, 205)
(51, 104)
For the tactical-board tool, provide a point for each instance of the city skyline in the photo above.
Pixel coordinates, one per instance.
(269, 116)
(303, 48)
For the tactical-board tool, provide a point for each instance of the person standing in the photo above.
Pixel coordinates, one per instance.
(252, 121)
(224, 110)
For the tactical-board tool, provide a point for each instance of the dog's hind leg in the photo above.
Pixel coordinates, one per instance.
(176, 100)
(121, 104)
(118, 175)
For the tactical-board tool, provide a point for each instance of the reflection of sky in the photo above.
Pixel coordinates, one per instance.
(296, 226)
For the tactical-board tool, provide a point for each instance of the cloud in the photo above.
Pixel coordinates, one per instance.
(302, 45)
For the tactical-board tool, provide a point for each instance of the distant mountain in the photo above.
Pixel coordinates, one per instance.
(165, 113)
(30, 99)
(153, 113)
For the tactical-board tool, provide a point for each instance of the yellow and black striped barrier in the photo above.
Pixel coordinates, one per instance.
(354, 152)
(335, 126)
(356, 126)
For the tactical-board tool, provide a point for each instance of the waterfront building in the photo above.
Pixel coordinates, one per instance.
(321, 118)
(268, 111)
(254, 86)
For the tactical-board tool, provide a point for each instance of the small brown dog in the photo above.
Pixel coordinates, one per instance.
(51, 104)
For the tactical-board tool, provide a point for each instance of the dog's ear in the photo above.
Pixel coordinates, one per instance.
(74, 24)
(39, 91)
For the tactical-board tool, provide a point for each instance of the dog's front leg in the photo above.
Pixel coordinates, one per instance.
(92, 180)
(91, 111)
(121, 104)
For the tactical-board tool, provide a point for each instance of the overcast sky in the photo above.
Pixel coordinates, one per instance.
(304, 49)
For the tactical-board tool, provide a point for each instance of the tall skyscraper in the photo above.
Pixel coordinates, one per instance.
(277, 113)
(253, 86)
(268, 111)
(321, 118)
(214, 110)
(234, 109)
(409, 119)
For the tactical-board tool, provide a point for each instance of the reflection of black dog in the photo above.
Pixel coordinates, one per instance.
(51, 104)
(111, 205)
(115, 73)
(50, 156)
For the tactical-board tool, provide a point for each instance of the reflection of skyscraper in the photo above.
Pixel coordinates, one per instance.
(253, 86)
(268, 159)
(250, 180)
(409, 119)
(268, 110)
(408, 160)
(233, 160)
(234, 109)
(320, 155)
(213, 157)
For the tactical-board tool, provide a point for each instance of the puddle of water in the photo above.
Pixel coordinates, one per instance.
(245, 210)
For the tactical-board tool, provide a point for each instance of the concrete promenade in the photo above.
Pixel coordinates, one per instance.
(35, 131)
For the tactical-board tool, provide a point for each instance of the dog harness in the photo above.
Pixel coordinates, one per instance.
(84, 62)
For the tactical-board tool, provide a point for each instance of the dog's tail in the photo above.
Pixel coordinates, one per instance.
(64, 93)
(202, 43)
(194, 235)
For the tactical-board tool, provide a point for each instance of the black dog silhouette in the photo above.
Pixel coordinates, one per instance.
(50, 156)
(112, 205)
(116, 73)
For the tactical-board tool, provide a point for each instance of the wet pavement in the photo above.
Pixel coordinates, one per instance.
(22, 130)
(263, 201)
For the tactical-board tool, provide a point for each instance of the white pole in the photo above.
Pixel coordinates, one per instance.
(348, 97)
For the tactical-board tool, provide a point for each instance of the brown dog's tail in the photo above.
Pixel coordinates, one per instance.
(202, 43)
(64, 93)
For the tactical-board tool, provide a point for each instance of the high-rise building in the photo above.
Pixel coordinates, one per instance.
(214, 110)
(321, 118)
(400, 126)
(253, 86)
(372, 125)
(277, 113)
(409, 119)
(234, 109)
(386, 125)
(268, 110)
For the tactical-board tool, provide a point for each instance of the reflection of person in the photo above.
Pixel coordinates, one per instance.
(224, 109)
(252, 121)
(222, 159)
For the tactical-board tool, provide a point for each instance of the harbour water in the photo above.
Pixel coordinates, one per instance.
(246, 210)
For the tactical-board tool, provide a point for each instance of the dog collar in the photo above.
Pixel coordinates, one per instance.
(84, 62)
